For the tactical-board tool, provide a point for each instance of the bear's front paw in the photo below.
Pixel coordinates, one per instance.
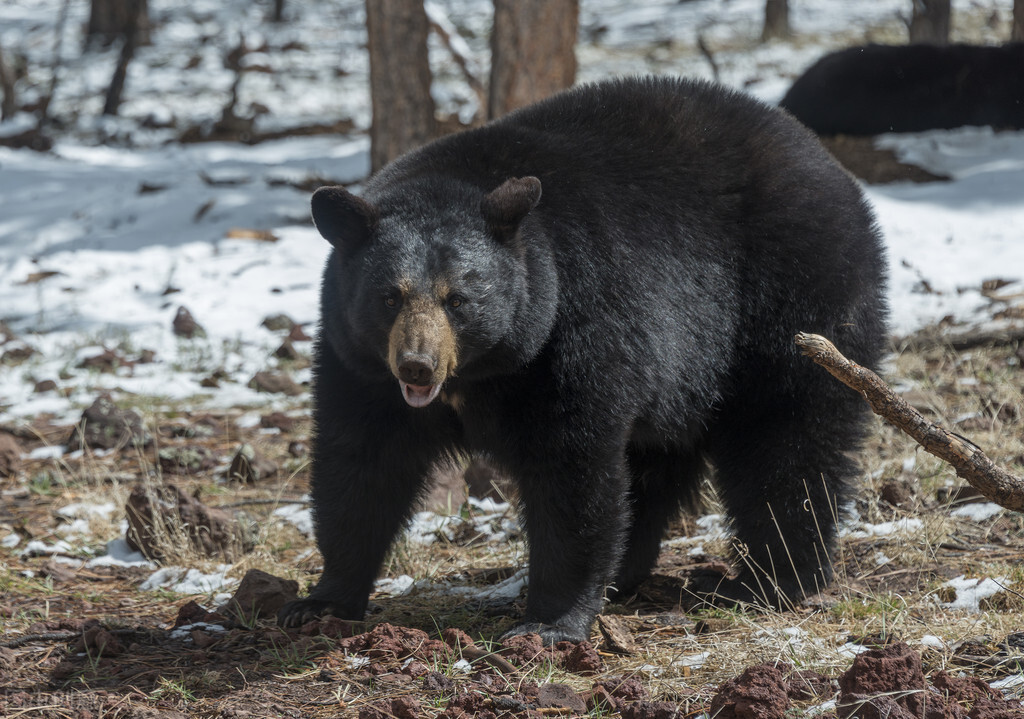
(299, 611)
(549, 633)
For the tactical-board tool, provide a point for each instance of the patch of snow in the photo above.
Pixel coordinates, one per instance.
(119, 554)
(462, 666)
(87, 510)
(930, 640)
(299, 515)
(970, 592)
(850, 649)
(11, 541)
(977, 511)
(357, 662)
(39, 548)
(188, 581)
(184, 632)
(906, 525)
(397, 586)
(694, 661)
(55, 451)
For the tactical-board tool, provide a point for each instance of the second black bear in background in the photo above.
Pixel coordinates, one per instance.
(598, 292)
(876, 89)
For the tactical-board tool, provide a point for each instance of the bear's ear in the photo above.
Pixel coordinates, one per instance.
(505, 206)
(342, 218)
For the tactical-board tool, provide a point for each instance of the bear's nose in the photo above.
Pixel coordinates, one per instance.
(416, 369)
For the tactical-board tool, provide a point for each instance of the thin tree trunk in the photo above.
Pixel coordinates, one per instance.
(532, 51)
(403, 109)
(929, 22)
(1017, 31)
(9, 106)
(776, 20)
(109, 19)
(116, 89)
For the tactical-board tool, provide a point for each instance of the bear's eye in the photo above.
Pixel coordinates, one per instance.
(391, 301)
(455, 301)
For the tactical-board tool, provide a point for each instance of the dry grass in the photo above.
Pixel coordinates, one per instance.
(887, 586)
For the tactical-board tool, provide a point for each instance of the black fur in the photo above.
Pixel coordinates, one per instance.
(636, 325)
(875, 89)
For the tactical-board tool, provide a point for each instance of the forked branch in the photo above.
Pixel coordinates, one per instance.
(969, 461)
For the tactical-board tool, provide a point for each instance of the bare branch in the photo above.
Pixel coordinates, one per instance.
(969, 461)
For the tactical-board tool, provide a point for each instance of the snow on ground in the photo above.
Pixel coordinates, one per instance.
(136, 226)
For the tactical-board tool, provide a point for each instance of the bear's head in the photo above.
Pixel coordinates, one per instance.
(430, 279)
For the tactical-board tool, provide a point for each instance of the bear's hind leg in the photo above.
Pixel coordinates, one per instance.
(782, 475)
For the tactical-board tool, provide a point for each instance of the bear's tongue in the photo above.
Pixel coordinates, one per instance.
(417, 396)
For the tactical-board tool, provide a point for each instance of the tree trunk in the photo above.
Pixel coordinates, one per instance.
(116, 89)
(532, 51)
(9, 106)
(109, 21)
(403, 109)
(929, 22)
(1017, 31)
(776, 20)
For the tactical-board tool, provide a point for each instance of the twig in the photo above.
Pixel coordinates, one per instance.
(706, 52)
(9, 105)
(969, 461)
(448, 35)
(44, 105)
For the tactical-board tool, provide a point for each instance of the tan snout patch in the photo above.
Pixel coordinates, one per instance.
(422, 327)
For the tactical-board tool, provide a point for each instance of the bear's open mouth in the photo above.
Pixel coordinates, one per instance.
(418, 396)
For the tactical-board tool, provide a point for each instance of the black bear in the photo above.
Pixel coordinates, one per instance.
(599, 292)
(875, 89)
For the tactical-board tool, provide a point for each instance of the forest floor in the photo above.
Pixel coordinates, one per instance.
(927, 570)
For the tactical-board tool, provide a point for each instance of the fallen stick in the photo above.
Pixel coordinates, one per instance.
(967, 458)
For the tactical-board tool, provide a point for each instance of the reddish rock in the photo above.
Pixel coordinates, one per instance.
(278, 323)
(652, 710)
(106, 426)
(106, 361)
(260, 595)
(438, 683)
(391, 642)
(872, 706)
(523, 649)
(96, 641)
(157, 515)
(467, 704)
(584, 659)
(297, 334)
(628, 689)
(275, 382)
(277, 420)
(991, 709)
(896, 492)
(561, 696)
(249, 466)
(806, 684)
(760, 692)
(456, 638)
(46, 385)
(185, 325)
(963, 689)
(399, 708)
(192, 612)
(894, 671)
(10, 455)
